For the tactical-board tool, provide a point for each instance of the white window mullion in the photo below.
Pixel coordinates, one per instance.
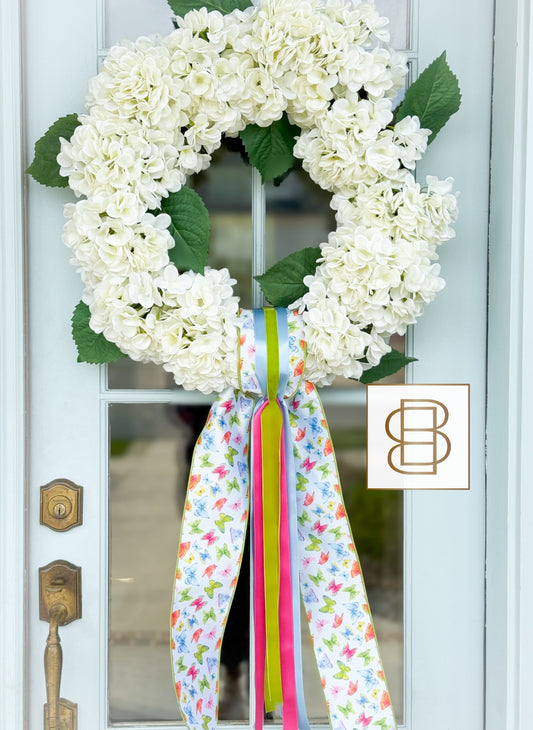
(258, 235)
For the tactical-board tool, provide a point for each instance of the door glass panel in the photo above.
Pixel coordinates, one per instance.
(150, 450)
(132, 18)
(399, 14)
(297, 216)
(147, 480)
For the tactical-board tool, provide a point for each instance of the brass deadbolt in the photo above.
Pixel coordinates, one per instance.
(61, 505)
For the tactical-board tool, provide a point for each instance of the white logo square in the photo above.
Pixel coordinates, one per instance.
(418, 436)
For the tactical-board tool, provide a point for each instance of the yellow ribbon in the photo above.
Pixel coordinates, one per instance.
(271, 430)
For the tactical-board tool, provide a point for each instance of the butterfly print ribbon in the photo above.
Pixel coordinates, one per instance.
(266, 448)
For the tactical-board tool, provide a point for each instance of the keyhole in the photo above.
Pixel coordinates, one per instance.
(59, 509)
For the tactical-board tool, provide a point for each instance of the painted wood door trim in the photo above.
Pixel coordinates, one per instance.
(12, 375)
(509, 662)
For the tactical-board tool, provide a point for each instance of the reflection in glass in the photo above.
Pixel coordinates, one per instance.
(297, 216)
(150, 452)
(226, 189)
(147, 474)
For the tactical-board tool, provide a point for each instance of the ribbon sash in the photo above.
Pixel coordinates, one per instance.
(312, 528)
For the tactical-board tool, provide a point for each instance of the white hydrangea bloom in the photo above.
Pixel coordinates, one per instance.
(411, 139)
(335, 345)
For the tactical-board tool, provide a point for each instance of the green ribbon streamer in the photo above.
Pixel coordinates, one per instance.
(271, 429)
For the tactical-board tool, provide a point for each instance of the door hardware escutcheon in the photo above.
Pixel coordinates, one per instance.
(61, 505)
(59, 604)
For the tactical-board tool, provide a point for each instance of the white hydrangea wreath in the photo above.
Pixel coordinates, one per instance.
(158, 110)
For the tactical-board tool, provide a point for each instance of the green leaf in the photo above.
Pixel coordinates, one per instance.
(190, 229)
(92, 347)
(45, 168)
(180, 7)
(270, 148)
(433, 97)
(283, 283)
(390, 363)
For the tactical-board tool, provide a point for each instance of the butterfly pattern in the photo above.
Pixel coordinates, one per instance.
(351, 671)
(209, 558)
(212, 541)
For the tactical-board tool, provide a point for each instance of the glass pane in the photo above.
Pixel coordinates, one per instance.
(297, 215)
(132, 18)
(147, 478)
(226, 189)
(150, 451)
(399, 14)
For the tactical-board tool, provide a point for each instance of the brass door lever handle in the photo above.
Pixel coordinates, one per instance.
(53, 663)
(59, 604)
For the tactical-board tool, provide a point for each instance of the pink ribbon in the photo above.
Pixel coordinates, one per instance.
(258, 569)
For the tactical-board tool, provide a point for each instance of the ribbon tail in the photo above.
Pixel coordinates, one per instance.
(257, 546)
(303, 722)
(286, 622)
(346, 649)
(210, 553)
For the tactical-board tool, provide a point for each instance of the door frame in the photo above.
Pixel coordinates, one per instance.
(509, 663)
(509, 578)
(13, 482)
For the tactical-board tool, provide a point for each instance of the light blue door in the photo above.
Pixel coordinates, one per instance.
(125, 434)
